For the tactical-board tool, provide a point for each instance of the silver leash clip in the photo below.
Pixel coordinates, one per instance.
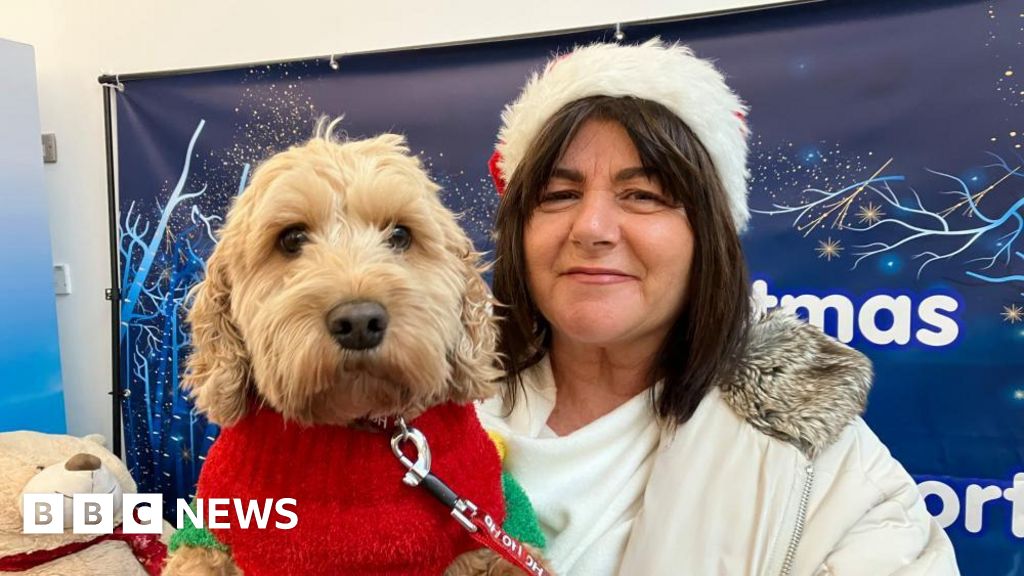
(464, 511)
(418, 474)
(419, 469)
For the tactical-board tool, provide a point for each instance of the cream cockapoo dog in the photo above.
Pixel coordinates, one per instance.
(341, 290)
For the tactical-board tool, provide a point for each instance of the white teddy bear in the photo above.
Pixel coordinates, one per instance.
(32, 463)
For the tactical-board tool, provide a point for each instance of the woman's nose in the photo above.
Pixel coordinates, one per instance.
(596, 223)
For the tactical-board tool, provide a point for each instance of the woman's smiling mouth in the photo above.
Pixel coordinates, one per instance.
(595, 275)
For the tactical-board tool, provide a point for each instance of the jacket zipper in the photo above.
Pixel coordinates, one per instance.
(801, 518)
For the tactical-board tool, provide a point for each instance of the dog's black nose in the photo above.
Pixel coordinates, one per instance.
(358, 325)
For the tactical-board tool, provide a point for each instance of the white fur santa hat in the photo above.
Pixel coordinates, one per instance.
(668, 74)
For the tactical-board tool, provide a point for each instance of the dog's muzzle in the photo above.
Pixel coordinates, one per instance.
(358, 325)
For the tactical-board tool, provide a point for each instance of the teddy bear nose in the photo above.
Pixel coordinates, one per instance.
(82, 462)
(358, 325)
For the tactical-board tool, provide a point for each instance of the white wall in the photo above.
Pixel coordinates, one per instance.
(77, 40)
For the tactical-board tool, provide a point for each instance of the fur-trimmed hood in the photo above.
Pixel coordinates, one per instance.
(797, 384)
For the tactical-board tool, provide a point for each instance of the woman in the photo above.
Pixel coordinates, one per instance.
(658, 425)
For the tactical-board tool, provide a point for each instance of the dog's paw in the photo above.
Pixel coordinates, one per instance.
(485, 562)
(189, 561)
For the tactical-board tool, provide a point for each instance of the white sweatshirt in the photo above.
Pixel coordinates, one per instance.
(587, 486)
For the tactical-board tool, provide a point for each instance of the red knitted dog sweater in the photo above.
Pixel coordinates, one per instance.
(355, 516)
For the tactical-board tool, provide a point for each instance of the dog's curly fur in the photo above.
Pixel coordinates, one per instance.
(259, 330)
(200, 562)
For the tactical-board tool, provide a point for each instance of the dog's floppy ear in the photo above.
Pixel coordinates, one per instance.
(217, 376)
(475, 359)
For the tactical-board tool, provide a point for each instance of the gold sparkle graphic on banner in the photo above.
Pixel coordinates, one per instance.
(1013, 313)
(828, 249)
(870, 214)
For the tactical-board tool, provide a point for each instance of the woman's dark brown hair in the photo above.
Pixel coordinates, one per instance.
(702, 345)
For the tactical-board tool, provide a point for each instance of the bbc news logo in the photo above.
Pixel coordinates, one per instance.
(94, 513)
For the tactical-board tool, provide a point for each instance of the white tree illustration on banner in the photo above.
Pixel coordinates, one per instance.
(986, 243)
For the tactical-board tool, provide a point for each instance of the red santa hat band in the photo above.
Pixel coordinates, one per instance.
(668, 74)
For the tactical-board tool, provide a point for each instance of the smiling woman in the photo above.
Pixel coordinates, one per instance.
(606, 254)
(609, 250)
(658, 422)
(598, 198)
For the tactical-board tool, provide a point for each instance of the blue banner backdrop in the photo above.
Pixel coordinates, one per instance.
(887, 183)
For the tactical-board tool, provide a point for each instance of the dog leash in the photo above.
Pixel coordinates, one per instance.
(481, 526)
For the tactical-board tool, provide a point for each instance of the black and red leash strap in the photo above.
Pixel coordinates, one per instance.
(481, 526)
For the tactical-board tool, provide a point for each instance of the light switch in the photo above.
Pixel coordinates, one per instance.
(61, 279)
(49, 148)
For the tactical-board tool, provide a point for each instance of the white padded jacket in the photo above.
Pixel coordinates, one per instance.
(776, 474)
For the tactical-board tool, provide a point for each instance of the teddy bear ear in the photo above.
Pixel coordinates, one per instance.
(96, 439)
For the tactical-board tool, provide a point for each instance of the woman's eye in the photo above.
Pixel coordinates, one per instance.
(400, 238)
(291, 240)
(644, 196)
(556, 196)
(645, 201)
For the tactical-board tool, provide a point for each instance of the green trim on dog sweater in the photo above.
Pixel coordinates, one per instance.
(191, 537)
(520, 518)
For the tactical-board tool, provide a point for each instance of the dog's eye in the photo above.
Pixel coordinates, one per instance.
(400, 239)
(292, 239)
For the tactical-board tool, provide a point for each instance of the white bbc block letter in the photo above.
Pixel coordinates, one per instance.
(216, 507)
(93, 513)
(42, 513)
(142, 513)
